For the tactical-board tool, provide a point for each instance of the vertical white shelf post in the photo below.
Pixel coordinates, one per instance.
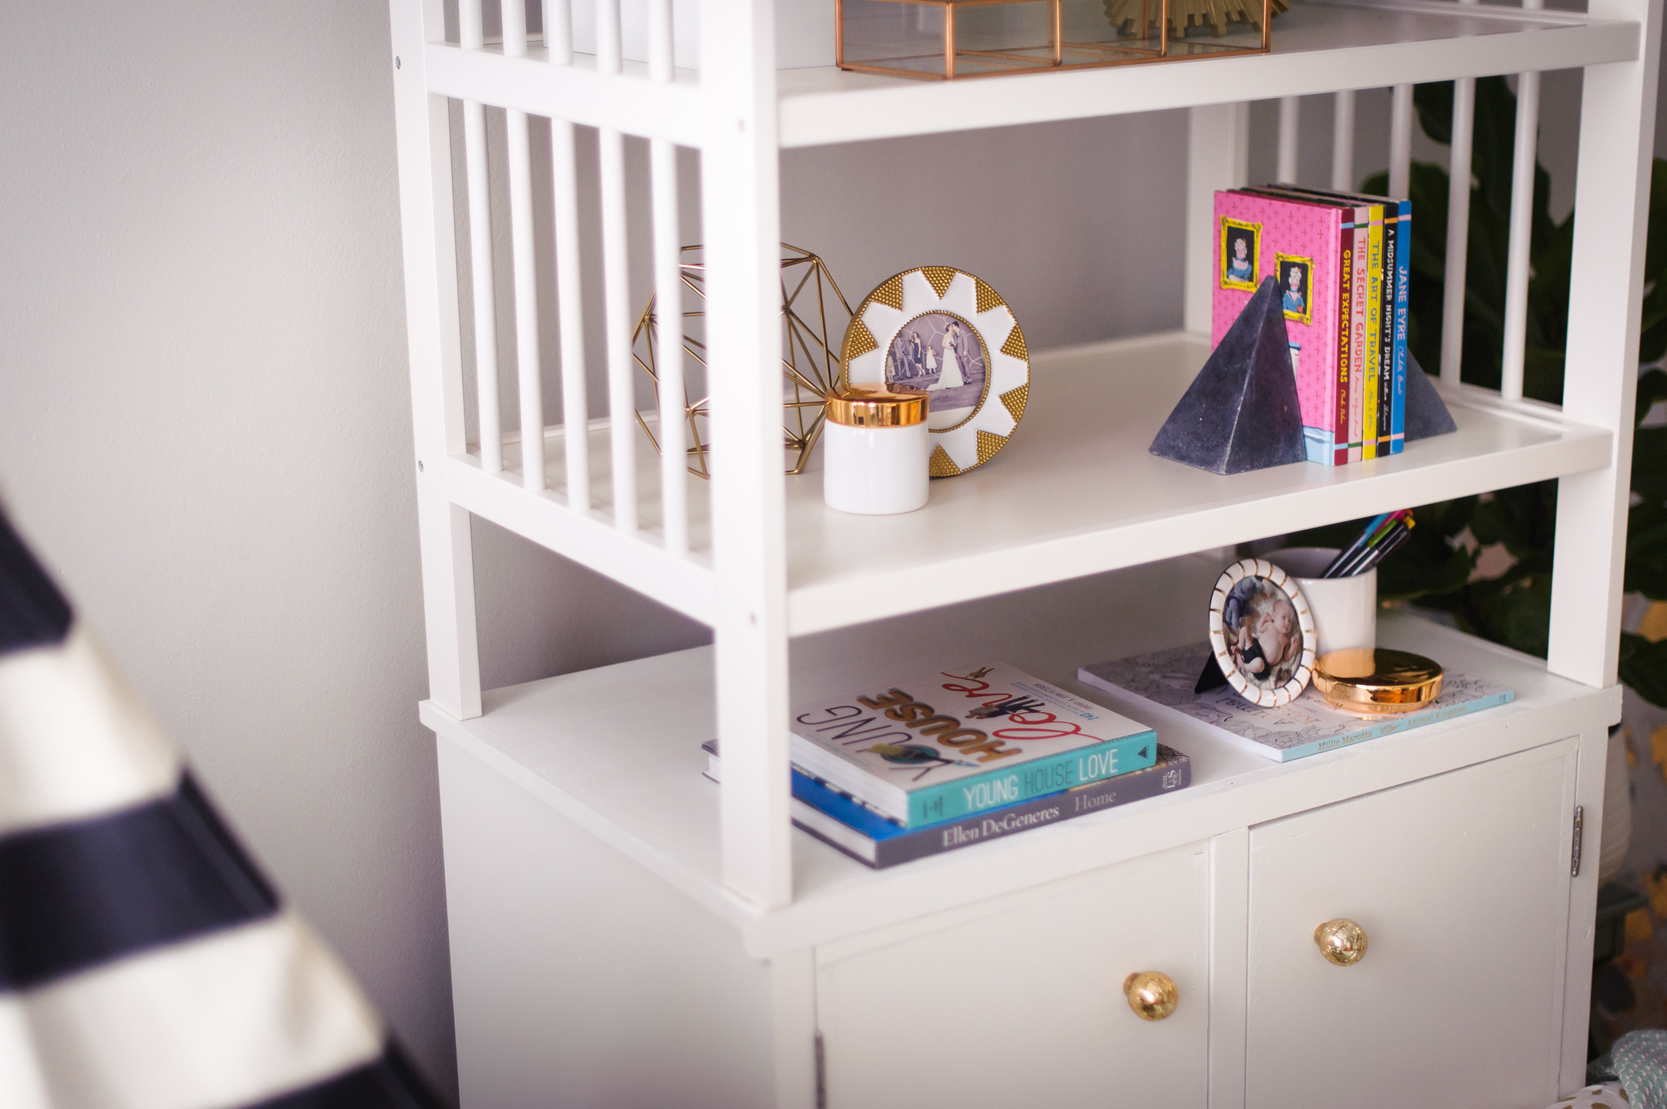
(1218, 157)
(741, 226)
(432, 333)
(1612, 188)
(1617, 128)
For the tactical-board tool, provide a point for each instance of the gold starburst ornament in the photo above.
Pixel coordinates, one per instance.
(945, 331)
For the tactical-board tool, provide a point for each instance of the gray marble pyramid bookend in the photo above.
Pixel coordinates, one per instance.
(1427, 413)
(1241, 412)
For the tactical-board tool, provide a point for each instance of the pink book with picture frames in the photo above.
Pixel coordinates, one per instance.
(1299, 244)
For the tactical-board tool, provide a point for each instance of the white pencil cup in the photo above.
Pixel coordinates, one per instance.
(1345, 609)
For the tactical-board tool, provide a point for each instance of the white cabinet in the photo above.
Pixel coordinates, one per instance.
(585, 905)
(626, 933)
(1025, 1005)
(1462, 885)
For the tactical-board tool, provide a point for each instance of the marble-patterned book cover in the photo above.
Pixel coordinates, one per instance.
(1164, 680)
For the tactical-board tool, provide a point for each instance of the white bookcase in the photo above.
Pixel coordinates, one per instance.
(624, 932)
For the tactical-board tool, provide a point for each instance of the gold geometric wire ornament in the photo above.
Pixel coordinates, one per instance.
(809, 361)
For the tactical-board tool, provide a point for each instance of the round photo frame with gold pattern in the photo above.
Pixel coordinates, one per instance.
(1262, 632)
(945, 331)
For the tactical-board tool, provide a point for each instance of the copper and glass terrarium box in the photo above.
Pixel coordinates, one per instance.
(948, 39)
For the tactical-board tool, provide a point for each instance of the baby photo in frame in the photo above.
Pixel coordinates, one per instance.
(1239, 242)
(1262, 633)
(1295, 279)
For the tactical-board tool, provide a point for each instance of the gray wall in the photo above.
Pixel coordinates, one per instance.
(204, 409)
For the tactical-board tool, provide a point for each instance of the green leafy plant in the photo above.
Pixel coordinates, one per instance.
(1437, 566)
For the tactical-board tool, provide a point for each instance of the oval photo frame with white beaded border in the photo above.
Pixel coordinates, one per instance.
(918, 310)
(1246, 582)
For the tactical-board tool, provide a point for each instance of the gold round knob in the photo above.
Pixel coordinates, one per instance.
(1341, 941)
(1152, 994)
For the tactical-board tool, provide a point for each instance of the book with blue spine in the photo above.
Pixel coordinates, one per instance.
(1164, 683)
(843, 822)
(1403, 283)
(961, 741)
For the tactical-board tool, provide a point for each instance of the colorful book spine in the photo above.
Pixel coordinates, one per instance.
(1345, 348)
(1386, 329)
(1403, 289)
(998, 789)
(1374, 335)
(1357, 335)
(857, 830)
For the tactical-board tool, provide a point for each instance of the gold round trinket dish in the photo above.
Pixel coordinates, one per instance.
(1376, 681)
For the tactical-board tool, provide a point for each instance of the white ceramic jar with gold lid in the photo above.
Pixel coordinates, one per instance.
(876, 450)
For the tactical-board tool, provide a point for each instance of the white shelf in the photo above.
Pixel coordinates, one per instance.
(617, 749)
(1316, 48)
(1075, 492)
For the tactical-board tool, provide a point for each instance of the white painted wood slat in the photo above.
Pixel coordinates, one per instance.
(616, 285)
(1458, 228)
(528, 371)
(1218, 157)
(1342, 142)
(482, 286)
(668, 300)
(1290, 117)
(575, 402)
(1400, 141)
(1521, 228)
(616, 310)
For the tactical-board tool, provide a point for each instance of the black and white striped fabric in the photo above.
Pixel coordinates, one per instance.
(145, 963)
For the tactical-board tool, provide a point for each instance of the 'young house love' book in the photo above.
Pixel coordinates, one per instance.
(1164, 682)
(960, 741)
(854, 828)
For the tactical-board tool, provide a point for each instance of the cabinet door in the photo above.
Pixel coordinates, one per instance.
(1025, 1006)
(1461, 882)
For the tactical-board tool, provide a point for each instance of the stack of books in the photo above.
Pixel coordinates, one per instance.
(1343, 265)
(962, 756)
